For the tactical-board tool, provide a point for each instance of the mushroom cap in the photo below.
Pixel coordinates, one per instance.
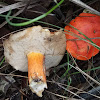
(34, 39)
(88, 24)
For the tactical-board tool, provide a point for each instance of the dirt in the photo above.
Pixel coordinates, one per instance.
(58, 81)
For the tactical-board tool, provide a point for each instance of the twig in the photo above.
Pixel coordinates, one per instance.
(80, 90)
(80, 3)
(12, 6)
(15, 87)
(70, 91)
(82, 72)
(56, 94)
(3, 74)
(16, 14)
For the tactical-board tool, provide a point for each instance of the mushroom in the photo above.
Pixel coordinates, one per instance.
(35, 50)
(88, 24)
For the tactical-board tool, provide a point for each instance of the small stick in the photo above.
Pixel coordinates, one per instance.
(15, 87)
(80, 3)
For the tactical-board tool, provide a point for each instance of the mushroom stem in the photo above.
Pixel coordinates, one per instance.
(36, 73)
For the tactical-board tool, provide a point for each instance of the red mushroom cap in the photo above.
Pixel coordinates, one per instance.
(88, 24)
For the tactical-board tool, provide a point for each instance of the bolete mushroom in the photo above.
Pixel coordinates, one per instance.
(89, 25)
(34, 50)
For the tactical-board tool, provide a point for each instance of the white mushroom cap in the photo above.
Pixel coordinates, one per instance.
(34, 39)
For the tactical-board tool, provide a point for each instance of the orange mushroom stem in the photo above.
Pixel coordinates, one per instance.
(36, 72)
